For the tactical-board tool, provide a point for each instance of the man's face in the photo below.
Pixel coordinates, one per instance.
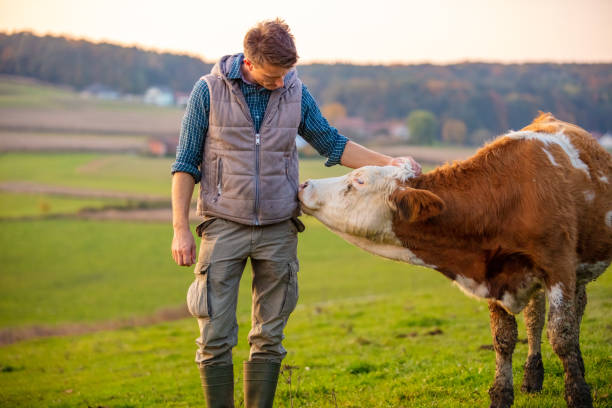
(269, 76)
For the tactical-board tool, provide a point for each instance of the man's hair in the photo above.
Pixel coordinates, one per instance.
(271, 42)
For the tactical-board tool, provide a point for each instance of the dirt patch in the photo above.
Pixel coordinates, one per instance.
(34, 188)
(14, 335)
(96, 165)
(140, 207)
(138, 120)
(163, 215)
(13, 141)
(142, 215)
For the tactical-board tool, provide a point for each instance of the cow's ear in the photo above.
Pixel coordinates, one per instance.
(415, 205)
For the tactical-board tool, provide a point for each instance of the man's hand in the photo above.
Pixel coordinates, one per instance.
(407, 161)
(183, 247)
(183, 244)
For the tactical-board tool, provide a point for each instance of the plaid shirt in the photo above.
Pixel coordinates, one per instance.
(313, 127)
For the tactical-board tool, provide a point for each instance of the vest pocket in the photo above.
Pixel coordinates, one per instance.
(289, 178)
(197, 295)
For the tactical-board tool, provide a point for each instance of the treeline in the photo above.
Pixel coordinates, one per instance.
(80, 63)
(462, 103)
(484, 97)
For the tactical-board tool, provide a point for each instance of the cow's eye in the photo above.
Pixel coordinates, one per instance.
(359, 181)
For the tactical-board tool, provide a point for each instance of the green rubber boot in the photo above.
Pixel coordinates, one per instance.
(218, 385)
(260, 378)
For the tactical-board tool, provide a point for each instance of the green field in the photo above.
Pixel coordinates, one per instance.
(359, 337)
(121, 173)
(367, 332)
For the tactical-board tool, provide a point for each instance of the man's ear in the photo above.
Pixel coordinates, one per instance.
(415, 205)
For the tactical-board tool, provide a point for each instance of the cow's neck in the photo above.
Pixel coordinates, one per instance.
(392, 250)
(454, 240)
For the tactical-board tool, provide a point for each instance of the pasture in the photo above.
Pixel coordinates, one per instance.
(367, 332)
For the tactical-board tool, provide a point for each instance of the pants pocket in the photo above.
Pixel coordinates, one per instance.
(204, 224)
(291, 295)
(197, 295)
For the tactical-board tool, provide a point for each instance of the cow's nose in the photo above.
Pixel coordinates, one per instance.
(304, 185)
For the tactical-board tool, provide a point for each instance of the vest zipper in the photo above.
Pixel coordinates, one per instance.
(257, 147)
(219, 177)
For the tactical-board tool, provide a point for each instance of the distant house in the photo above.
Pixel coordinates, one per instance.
(101, 91)
(162, 146)
(160, 96)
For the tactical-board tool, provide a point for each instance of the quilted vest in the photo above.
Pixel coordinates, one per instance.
(249, 177)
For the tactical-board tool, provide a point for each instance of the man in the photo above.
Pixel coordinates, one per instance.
(238, 141)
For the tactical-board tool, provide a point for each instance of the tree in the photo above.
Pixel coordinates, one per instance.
(333, 111)
(423, 127)
(481, 136)
(454, 131)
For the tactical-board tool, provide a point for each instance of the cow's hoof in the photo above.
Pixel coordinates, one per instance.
(501, 397)
(534, 374)
(578, 395)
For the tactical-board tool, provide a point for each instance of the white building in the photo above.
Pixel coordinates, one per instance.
(159, 96)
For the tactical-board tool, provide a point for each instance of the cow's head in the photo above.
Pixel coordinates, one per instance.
(365, 202)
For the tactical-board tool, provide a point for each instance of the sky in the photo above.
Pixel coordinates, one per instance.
(355, 31)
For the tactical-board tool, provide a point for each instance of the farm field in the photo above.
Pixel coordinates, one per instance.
(113, 173)
(27, 105)
(418, 343)
(367, 332)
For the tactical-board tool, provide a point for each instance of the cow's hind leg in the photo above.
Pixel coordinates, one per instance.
(563, 334)
(580, 302)
(535, 316)
(504, 332)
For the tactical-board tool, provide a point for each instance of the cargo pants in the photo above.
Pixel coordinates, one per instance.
(213, 295)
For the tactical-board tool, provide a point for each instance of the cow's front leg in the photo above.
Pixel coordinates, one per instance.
(504, 332)
(563, 334)
(535, 315)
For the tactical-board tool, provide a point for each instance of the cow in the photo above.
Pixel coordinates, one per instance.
(528, 216)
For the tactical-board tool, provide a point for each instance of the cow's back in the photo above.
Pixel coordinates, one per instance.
(593, 202)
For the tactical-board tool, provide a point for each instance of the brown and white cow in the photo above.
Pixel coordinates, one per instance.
(530, 213)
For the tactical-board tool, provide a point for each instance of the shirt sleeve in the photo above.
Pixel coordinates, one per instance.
(193, 131)
(315, 129)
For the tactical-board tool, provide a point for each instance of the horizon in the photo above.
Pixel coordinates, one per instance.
(441, 32)
(302, 62)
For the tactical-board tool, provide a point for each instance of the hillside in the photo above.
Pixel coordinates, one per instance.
(467, 103)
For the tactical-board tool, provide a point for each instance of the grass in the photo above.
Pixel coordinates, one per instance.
(362, 351)
(115, 270)
(367, 332)
(122, 173)
(33, 205)
(383, 334)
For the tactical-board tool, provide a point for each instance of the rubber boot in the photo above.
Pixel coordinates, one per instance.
(218, 385)
(260, 379)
